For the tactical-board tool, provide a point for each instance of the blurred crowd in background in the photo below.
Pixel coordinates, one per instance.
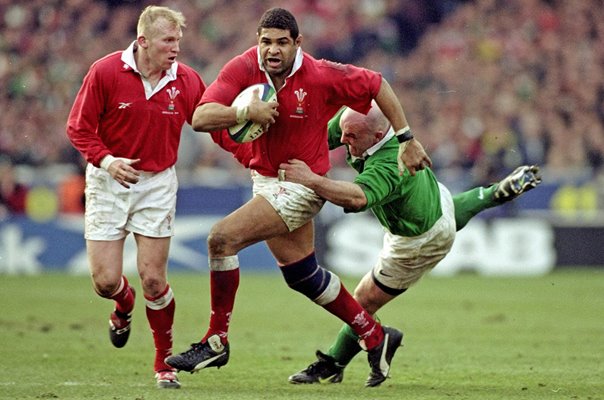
(486, 84)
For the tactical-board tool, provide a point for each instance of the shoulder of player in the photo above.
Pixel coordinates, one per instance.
(385, 157)
(242, 65)
(326, 71)
(327, 65)
(111, 60)
(382, 159)
(240, 72)
(391, 146)
(107, 69)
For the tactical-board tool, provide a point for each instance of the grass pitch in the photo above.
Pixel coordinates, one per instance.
(466, 337)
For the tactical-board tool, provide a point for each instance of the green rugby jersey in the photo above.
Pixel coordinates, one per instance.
(405, 205)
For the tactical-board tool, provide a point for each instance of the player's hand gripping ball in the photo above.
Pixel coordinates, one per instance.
(247, 131)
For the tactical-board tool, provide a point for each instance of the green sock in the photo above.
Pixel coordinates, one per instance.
(345, 347)
(470, 203)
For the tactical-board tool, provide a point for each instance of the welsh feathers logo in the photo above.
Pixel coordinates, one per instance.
(360, 320)
(281, 192)
(300, 95)
(172, 93)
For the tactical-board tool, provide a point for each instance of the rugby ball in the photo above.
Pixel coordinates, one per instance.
(248, 130)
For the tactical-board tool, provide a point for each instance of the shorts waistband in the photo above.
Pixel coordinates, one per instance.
(151, 174)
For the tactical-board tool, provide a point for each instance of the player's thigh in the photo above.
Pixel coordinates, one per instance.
(107, 210)
(105, 258)
(294, 203)
(293, 246)
(404, 260)
(153, 204)
(253, 222)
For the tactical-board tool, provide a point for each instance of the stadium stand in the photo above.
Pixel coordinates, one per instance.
(487, 85)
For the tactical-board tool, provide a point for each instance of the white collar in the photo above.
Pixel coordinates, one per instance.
(130, 61)
(370, 151)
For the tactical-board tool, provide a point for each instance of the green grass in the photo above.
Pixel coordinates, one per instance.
(465, 338)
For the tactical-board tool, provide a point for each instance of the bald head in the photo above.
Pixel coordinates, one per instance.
(374, 121)
(360, 132)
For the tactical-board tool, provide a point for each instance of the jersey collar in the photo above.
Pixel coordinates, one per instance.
(130, 63)
(371, 151)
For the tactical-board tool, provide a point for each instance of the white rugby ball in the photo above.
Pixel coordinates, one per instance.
(248, 130)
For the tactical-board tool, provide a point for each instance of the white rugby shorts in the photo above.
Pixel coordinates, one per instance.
(147, 208)
(404, 260)
(296, 204)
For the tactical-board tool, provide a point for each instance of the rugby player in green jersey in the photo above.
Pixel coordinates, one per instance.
(419, 216)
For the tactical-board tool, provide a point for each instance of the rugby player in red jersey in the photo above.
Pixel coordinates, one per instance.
(126, 121)
(309, 93)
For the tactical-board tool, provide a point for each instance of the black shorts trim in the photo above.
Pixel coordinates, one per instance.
(386, 289)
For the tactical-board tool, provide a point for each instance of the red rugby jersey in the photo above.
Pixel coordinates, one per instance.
(111, 114)
(312, 94)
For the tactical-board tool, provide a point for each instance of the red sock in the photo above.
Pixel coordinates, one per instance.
(124, 298)
(223, 288)
(362, 323)
(160, 314)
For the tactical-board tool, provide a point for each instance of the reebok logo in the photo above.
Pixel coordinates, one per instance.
(124, 105)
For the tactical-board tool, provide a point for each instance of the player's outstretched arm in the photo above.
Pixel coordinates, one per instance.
(341, 193)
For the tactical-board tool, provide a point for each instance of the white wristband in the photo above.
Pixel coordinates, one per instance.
(107, 161)
(402, 131)
(243, 114)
